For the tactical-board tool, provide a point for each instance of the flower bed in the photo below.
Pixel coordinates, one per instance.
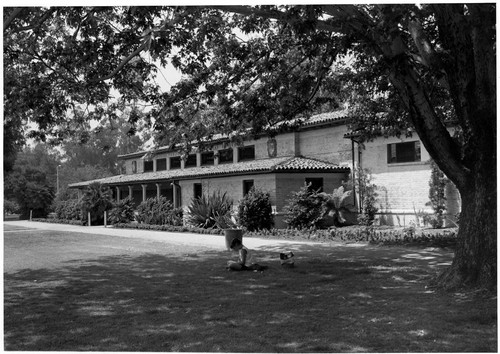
(60, 221)
(370, 234)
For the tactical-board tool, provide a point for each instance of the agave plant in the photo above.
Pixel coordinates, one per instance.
(204, 211)
(336, 204)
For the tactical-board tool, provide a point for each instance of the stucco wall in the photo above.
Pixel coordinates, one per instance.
(403, 188)
(327, 144)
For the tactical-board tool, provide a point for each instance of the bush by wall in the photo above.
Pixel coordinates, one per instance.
(122, 212)
(304, 209)
(158, 211)
(68, 209)
(204, 211)
(254, 210)
(96, 199)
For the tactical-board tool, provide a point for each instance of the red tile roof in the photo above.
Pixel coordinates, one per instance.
(279, 164)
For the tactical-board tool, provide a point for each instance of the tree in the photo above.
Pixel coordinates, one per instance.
(256, 66)
(96, 199)
(30, 181)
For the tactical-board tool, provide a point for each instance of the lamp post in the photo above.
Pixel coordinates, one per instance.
(57, 179)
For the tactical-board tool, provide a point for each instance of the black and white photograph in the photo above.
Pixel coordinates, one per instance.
(250, 177)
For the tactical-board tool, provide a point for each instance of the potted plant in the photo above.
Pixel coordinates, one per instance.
(231, 230)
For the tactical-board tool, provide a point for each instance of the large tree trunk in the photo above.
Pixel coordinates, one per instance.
(475, 262)
(475, 259)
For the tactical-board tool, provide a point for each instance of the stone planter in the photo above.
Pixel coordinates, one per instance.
(231, 234)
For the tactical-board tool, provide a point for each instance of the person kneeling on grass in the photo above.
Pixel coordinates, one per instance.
(237, 246)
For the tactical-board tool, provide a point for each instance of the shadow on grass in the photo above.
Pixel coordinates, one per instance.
(340, 299)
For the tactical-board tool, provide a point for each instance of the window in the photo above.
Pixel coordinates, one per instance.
(225, 155)
(190, 161)
(403, 152)
(246, 153)
(148, 166)
(175, 162)
(315, 184)
(197, 190)
(247, 185)
(134, 166)
(161, 164)
(207, 158)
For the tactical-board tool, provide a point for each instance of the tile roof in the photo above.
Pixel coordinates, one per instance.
(279, 164)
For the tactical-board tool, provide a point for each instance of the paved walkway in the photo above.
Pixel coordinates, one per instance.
(212, 241)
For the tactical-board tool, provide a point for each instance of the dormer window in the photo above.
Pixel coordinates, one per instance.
(246, 153)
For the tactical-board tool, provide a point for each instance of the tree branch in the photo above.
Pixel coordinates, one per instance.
(15, 12)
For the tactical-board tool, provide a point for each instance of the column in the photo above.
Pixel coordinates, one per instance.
(130, 192)
(235, 154)
(158, 190)
(174, 190)
(198, 159)
(144, 186)
(216, 158)
(80, 193)
(117, 194)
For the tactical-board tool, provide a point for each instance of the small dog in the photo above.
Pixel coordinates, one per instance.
(286, 259)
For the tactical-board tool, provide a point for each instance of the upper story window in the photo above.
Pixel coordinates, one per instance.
(134, 166)
(190, 161)
(175, 162)
(246, 153)
(403, 152)
(161, 164)
(226, 155)
(315, 184)
(148, 166)
(207, 158)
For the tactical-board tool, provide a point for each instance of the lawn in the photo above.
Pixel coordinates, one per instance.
(81, 292)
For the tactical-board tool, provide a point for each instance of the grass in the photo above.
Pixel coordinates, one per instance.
(80, 292)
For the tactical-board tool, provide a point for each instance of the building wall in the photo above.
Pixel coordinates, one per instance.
(327, 144)
(232, 185)
(403, 188)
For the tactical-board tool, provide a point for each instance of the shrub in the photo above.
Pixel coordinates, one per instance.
(254, 210)
(122, 212)
(10, 206)
(335, 204)
(437, 185)
(96, 199)
(68, 209)
(304, 209)
(368, 196)
(203, 211)
(158, 211)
